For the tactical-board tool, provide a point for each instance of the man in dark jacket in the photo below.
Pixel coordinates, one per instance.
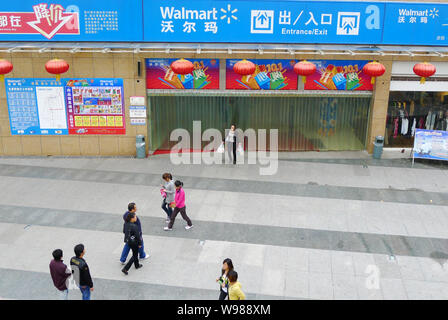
(60, 273)
(133, 240)
(132, 208)
(81, 272)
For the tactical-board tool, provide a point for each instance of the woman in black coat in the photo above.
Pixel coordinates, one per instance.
(132, 238)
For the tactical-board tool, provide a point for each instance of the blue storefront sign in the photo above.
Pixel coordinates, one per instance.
(296, 22)
(418, 24)
(234, 21)
(36, 107)
(264, 21)
(431, 144)
(69, 20)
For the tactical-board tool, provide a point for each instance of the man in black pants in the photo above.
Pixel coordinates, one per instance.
(134, 241)
(81, 272)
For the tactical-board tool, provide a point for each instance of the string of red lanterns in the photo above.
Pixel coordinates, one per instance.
(244, 67)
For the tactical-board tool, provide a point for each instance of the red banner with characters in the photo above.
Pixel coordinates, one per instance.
(269, 75)
(204, 76)
(339, 75)
(47, 20)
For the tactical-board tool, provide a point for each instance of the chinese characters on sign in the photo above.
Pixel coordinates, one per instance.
(268, 75)
(67, 20)
(36, 107)
(347, 22)
(95, 106)
(97, 21)
(45, 19)
(281, 21)
(89, 106)
(339, 75)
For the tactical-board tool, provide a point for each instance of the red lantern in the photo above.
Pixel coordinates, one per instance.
(424, 70)
(244, 68)
(304, 68)
(374, 69)
(5, 68)
(182, 67)
(57, 66)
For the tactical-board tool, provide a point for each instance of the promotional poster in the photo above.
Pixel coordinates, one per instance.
(339, 75)
(431, 144)
(269, 75)
(95, 106)
(160, 76)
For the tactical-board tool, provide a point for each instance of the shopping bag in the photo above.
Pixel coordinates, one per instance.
(220, 148)
(240, 149)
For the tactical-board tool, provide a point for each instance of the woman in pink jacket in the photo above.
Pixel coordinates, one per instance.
(179, 199)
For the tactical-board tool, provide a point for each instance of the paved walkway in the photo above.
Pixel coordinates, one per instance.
(314, 230)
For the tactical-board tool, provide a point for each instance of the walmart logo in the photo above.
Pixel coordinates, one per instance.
(229, 14)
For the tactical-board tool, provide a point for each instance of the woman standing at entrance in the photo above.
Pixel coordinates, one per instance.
(231, 143)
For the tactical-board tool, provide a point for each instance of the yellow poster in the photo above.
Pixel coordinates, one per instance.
(119, 121)
(86, 121)
(103, 122)
(78, 121)
(94, 121)
(110, 122)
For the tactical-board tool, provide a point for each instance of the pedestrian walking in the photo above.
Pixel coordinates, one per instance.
(60, 273)
(235, 292)
(223, 280)
(231, 140)
(133, 240)
(81, 272)
(168, 193)
(132, 208)
(179, 200)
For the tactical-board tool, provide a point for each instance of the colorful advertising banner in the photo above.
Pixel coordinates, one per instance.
(160, 76)
(68, 20)
(430, 144)
(268, 75)
(36, 107)
(95, 106)
(339, 75)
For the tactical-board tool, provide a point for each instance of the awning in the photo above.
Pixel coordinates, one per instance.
(223, 48)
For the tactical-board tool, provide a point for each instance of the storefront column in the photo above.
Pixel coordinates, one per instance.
(378, 113)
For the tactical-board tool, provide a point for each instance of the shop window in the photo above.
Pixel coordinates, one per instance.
(410, 110)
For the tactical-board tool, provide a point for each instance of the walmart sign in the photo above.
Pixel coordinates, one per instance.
(296, 22)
